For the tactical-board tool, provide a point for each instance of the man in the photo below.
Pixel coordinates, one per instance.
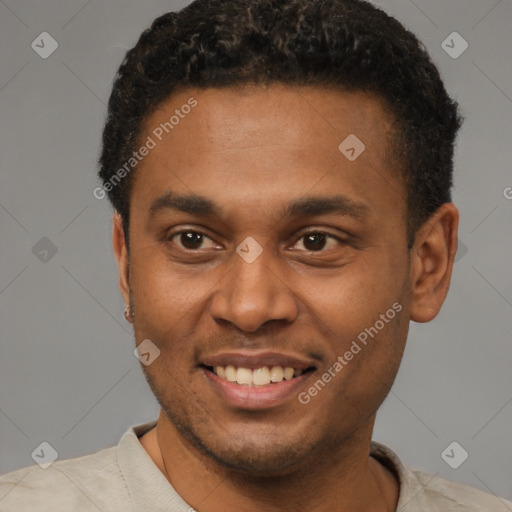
(281, 174)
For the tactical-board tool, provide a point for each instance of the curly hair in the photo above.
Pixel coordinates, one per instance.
(347, 44)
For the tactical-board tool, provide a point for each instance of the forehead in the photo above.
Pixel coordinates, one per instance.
(268, 143)
(277, 111)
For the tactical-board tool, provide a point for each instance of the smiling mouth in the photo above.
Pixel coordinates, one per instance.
(257, 377)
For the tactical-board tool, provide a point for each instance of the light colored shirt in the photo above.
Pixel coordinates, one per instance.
(124, 478)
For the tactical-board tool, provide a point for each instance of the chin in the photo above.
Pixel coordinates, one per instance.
(269, 458)
(256, 453)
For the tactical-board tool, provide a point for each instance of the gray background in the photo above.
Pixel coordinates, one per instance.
(67, 371)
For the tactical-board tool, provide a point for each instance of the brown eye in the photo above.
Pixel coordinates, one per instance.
(315, 241)
(191, 239)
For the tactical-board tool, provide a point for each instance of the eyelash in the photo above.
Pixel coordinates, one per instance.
(301, 237)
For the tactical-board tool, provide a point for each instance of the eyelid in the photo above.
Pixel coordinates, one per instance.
(176, 230)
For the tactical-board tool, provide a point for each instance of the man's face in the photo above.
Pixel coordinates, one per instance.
(265, 164)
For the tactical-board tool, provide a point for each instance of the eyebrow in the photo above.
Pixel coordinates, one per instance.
(192, 204)
(309, 206)
(338, 204)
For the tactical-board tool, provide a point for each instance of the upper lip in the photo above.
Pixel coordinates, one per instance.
(254, 360)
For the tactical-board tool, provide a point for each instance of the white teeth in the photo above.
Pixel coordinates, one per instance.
(276, 373)
(230, 373)
(244, 376)
(288, 373)
(259, 377)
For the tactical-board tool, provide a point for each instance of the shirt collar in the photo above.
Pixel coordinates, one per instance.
(149, 490)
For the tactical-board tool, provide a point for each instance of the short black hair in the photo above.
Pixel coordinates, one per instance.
(347, 44)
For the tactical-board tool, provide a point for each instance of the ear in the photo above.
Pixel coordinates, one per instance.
(121, 253)
(432, 258)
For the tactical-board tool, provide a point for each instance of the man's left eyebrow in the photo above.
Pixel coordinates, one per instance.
(339, 204)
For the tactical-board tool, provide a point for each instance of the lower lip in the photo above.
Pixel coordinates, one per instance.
(255, 397)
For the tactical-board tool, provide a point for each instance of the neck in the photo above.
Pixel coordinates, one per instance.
(342, 479)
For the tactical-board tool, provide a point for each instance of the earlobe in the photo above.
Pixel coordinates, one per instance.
(121, 254)
(432, 258)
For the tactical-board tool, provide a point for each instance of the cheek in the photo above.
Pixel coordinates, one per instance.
(353, 299)
(363, 315)
(170, 301)
(365, 354)
(163, 286)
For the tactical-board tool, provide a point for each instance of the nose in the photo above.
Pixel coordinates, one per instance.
(252, 294)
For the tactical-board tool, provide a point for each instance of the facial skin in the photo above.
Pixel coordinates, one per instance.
(252, 152)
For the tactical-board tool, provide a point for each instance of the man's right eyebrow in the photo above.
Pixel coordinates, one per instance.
(191, 203)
